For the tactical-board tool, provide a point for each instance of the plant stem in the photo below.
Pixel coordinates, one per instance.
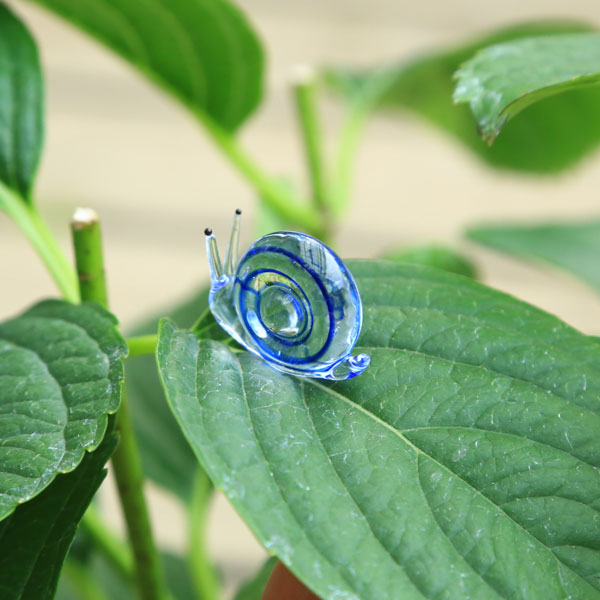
(201, 322)
(87, 243)
(369, 96)
(127, 466)
(36, 231)
(276, 196)
(350, 136)
(142, 344)
(126, 460)
(304, 90)
(203, 573)
(115, 551)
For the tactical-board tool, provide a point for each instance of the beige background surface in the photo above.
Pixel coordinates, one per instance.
(116, 144)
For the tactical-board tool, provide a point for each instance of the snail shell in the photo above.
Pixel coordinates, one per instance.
(291, 301)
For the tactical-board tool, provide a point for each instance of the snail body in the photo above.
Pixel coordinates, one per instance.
(291, 301)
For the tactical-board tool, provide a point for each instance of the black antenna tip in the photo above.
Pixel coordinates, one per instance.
(208, 231)
(238, 211)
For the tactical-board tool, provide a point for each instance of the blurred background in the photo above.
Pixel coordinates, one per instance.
(117, 144)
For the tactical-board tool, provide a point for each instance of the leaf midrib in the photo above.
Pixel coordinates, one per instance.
(46, 364)
(566, 401)
(354, 501)
(79, 452)
(42, 482)
(418, 451)
(447, 469)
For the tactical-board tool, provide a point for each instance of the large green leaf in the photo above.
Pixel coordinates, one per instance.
(203, 52)
(34, 540)
(463, 463)
(60, 376)
(574, 247)
(548, 136)
(21, 105)
(502, 80)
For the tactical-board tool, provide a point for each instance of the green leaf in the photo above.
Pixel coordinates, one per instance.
(253, 588)
(21, 105)
(463, 463)
(37, 535)
(60, 376)
(434, 255)
(166, 456)
(203, 52)
(502, 80)
(549, 136)
(574, 247)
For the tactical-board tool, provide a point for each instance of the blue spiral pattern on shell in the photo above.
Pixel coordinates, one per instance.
(295, 281)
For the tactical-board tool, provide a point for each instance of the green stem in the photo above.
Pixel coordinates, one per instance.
(142, 344)
(116, 552)
(369, 96)
(36, 231)
(129, 476)
(203, 573)
(304, 90)
(277, 197)
(201, 322)
(352, 129)
(87, 243)
(126, 460)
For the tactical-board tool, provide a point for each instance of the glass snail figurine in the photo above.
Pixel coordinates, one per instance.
(291, 301)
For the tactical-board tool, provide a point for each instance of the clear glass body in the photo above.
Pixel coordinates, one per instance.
(291, 301)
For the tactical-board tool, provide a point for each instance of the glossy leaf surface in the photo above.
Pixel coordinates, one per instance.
(502, 80)
(547, 137)
(21, 105)
(60, 377)
(35, 538)
(574, 247)
(463, 463)
(202, 52)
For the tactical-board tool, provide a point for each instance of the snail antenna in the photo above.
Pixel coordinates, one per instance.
(214, 260)
(231, 257)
